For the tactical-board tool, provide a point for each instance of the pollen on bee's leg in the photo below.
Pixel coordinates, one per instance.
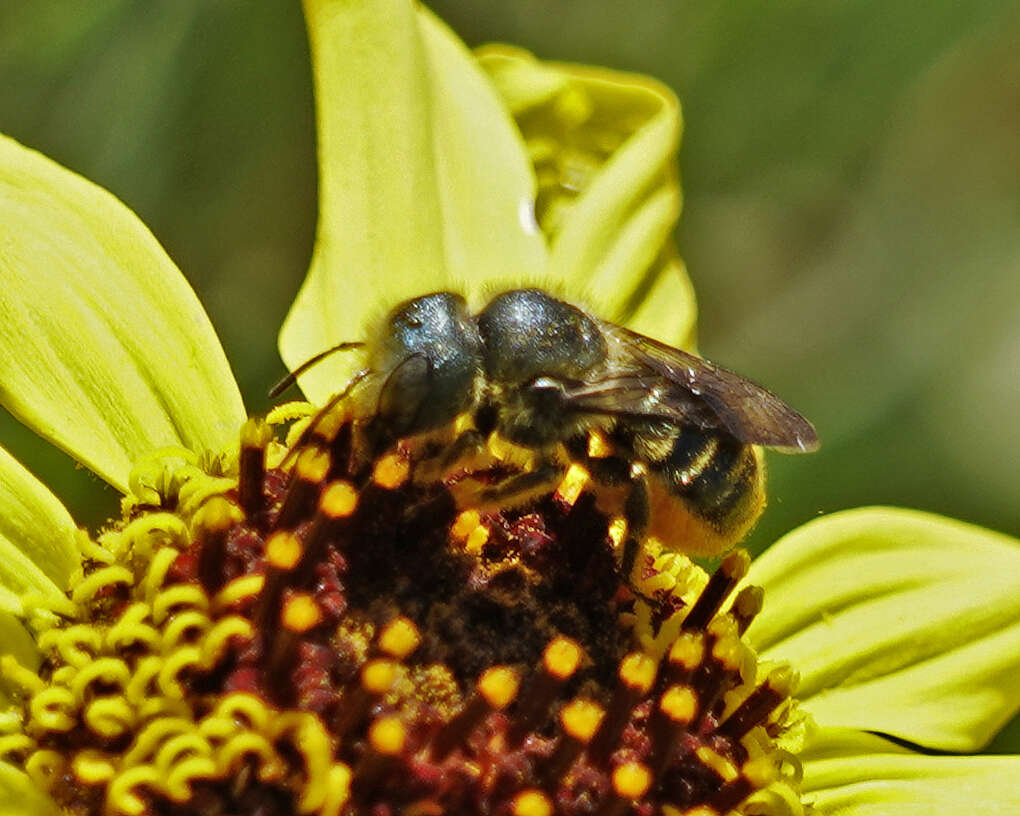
(573, 483)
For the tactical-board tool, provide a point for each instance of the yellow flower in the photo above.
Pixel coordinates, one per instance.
(264, 632)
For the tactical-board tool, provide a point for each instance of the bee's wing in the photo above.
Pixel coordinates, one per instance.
(659, 381)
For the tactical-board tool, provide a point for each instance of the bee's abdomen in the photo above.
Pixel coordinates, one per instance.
(718, 478)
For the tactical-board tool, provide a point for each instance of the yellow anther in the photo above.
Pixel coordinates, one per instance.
(581, 718)
(378, 676)
(679, 703)
(399, 638)
(499, 686)
(312, 465)
(301, 613)
(283, 550)
(638, 671)
(562, 656)
(531, 803)
(387, 735)
(391, 471)
(631, 780)
(339, 500)
(688, 650)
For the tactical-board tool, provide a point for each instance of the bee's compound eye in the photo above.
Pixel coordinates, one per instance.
(530, 334)
(431, 352)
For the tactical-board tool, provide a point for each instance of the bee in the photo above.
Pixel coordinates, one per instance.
(670, 441)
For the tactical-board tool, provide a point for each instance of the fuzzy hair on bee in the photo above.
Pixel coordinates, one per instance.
(679, 439)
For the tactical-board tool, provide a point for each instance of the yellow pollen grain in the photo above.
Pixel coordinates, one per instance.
(581, 718)
(631, 780)
(598, 445)
(479, 536)
(531, 803)
(338, 500)
(387, 735)
(562, 657)
(464, 524)
(638, 670)
(399, 638)
(378, 676)
(573, 483)
(717, 762)
(312, 465)
(283, 550)
(688, 650)
(679, 703)
(391, 471)
(498, 685)
(301, 613)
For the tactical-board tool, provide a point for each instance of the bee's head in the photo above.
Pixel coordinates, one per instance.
(429, 359)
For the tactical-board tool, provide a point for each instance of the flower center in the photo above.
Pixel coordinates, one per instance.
(327, 636)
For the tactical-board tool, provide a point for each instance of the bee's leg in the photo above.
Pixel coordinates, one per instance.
(438, 458)
(519, 488)
(636, 512)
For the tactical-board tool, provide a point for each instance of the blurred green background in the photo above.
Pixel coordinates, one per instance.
(851, 171)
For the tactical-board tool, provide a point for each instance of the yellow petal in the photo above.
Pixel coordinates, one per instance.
(424, 184)
(899, 622)
(34, 523)
(104, 348)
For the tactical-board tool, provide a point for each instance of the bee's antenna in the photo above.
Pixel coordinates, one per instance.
(291, 378)
(313, 423)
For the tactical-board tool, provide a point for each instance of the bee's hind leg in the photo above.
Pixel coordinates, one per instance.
(517, 489)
